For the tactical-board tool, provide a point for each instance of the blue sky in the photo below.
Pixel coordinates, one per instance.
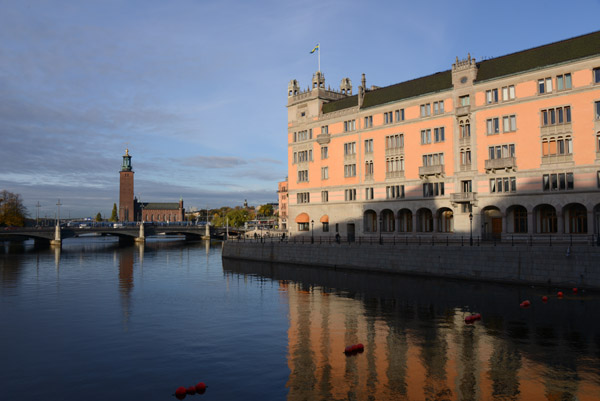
(197, 90)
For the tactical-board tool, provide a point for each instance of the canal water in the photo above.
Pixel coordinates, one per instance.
(99, 321)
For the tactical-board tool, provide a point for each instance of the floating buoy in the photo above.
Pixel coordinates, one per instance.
(476, 316)
(191, 390)
(354, 349)
(560, 294)
(525, 304)
(200, 388)
(575, 290)
(544, 299)
(360, 347)
(469, 319)
(180, 393)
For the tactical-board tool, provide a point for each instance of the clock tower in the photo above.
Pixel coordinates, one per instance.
(126, 200)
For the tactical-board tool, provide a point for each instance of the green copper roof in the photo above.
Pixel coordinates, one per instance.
(160, 206)
(538, 57)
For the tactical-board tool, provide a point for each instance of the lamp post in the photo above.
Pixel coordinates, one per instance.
(471, 229)
(312, 233)
(380, 229)
(58, 204)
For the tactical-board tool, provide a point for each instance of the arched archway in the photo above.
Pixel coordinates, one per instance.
(388, 221)
(491, 221)
(575, 219)
(516, 219)
(597, 219)
(370, 221)
(405, 221)
(545, 219)
(424, 220)
(445, 218)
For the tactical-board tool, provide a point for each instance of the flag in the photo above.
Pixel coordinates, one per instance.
(315, 49)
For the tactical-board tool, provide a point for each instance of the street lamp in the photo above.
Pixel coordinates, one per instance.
(312, 233)
(58, 204)
(380, 228)
(471, 229)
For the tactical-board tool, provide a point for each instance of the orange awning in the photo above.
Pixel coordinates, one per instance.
(302, 218)
(324, 219)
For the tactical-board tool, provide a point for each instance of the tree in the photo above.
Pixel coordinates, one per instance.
(12, 211)
(99, 217)
(114, 217)
(265, 210)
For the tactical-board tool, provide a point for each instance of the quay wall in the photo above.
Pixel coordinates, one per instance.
(539, 265)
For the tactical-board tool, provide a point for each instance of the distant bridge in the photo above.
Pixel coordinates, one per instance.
(127, 233)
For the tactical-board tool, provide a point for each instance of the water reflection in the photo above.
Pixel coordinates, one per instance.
(417, 345)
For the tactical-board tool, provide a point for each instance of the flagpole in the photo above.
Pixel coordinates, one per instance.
(319, 57)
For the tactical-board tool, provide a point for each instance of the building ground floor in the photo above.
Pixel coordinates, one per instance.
(486, 216)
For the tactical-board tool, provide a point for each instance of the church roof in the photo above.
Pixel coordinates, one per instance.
(160, 206)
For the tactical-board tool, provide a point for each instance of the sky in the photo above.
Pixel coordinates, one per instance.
(197, 90)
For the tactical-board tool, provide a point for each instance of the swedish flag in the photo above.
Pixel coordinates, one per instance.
(315, 49)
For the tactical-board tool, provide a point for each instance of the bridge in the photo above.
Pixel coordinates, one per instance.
(127, 233)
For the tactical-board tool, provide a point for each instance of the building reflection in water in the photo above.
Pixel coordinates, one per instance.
(417, 346)
(126, 259)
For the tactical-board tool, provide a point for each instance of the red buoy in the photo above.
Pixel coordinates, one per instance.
(359, 346)
(180, 393)
(476, 316)
(560, 294)
(469, 319)
(544, 299)
(191, 390)
(200, 388)
(349, 349)
(525, 304)
(575, 290)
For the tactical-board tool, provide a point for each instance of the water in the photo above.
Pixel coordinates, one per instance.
(96, 321)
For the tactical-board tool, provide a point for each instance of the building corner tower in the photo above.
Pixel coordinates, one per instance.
(126, 201)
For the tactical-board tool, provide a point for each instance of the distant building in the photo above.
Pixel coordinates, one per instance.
(130, 209)
(282, 192)
(498, 147)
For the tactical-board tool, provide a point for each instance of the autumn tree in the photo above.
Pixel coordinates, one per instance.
(99, 217)
(12, 211)
(265, 210)
(114, 217)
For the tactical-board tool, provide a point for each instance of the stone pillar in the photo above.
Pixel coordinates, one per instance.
(530, 223)
(504, 225)
(560, 223)
(141, 237)
(590, 221)
(414, 222)
(434, 216)
(207, 232)
(57, 241)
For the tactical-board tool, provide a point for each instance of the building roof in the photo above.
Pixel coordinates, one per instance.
(160, 206)
(537, 57)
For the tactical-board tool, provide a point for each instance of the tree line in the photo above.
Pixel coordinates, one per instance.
(12, 210)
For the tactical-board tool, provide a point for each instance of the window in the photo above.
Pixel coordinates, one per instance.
(501, 151)
(464, 100)
(302, 175)
(426, 110)
(544, 85)
(503, 184)
(465, 157)
(597, 107)
(394, 141)
(388, 117)
(368, 145)
(431, 189)
(520, 220)
(303, 227)
(508, 93)
(509, 123)
(303, 197)
(350, 170)
(438, 134)
(598, 141)
(295, 136)
(425, 136)
(325, 227)
(325, 129)
(350, 194)
(557, 145)
(464, 129)
(596, 74)
(557, 182)
(324, 173)
(399, 115)
(493, 126)
(394, 164)
(350, 148)
(303, 156)
(558, 115)
(394, 192)
(324, 196)
(491, 96)
(369, 168)
(438, 107)
(369, 122)
(563, 82)
(598, 178)
(433, 159)
(295, 157)
(369, 193)
(349, 125)
(324, 152)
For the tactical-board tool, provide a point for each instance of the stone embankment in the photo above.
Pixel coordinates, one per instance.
(557, 265)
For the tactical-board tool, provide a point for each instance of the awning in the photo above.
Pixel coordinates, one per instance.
(302, 218)
(324, 219)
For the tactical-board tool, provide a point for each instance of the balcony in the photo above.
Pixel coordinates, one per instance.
(504, 163)
(394, 151)
(464, 141)
(323, 139)
(557, 159)
(463, 197)
(463, 110)
(394, 174)
(350, 157)
(436, 170)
